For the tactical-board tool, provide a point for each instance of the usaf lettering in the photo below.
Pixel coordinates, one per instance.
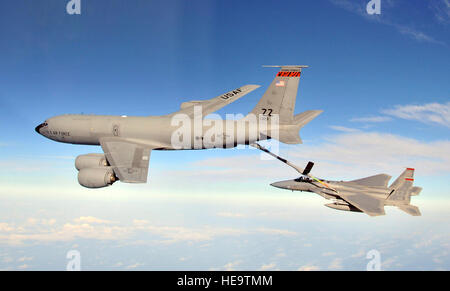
(231, 94)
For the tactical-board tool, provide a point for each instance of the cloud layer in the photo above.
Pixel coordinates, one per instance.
(349, 155)
(359, 8)
(89, 227)
(432, 113)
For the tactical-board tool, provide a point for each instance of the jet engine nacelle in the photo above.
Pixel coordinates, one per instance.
(90, 161)
(96, 177)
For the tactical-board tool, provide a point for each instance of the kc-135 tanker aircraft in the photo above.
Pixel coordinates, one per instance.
(368, 195)
(128, 141)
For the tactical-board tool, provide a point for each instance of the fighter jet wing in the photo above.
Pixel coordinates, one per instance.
(214, 104)
(128, 159)
(368, 204)
(380, 180)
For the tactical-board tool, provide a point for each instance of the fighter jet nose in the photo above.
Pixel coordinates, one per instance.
(281, 185)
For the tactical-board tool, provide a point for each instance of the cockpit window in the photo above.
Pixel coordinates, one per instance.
(303, 179)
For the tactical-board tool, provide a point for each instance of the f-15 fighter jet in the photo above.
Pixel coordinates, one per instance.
(368, 195)
(127, 141)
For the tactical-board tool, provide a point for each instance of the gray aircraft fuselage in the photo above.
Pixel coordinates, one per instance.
(310, 185)
(151, 130)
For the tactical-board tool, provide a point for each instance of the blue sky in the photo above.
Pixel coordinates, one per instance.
(382, 81)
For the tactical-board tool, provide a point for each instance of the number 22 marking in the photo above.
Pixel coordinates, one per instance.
(267, 112)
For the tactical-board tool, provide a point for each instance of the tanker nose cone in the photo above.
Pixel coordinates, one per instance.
(38, 128)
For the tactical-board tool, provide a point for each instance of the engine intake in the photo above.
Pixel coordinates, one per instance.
(90, 161)
(96, 177)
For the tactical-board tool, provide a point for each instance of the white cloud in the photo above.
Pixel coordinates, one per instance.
(275, 231)
(343, 128)
(359, 254)
(232, 266)
(350, 155)
(32, 220)
(134, 266)
(230, 214)
(309, 268)
(359, 8)
(428, 240)
(268, 267)
(371, 119)
(41, 231)
(416, 35)
(100, 229)
(25, 259)
(5, 227)
(172, 234)
(386, 264)
(8, 260)
(51, 221)
(336, 264)
(36, 221)
(140, 222)
(441, 257)
(91, 219)
(436, 113)
(441, 10)
(370, 153)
